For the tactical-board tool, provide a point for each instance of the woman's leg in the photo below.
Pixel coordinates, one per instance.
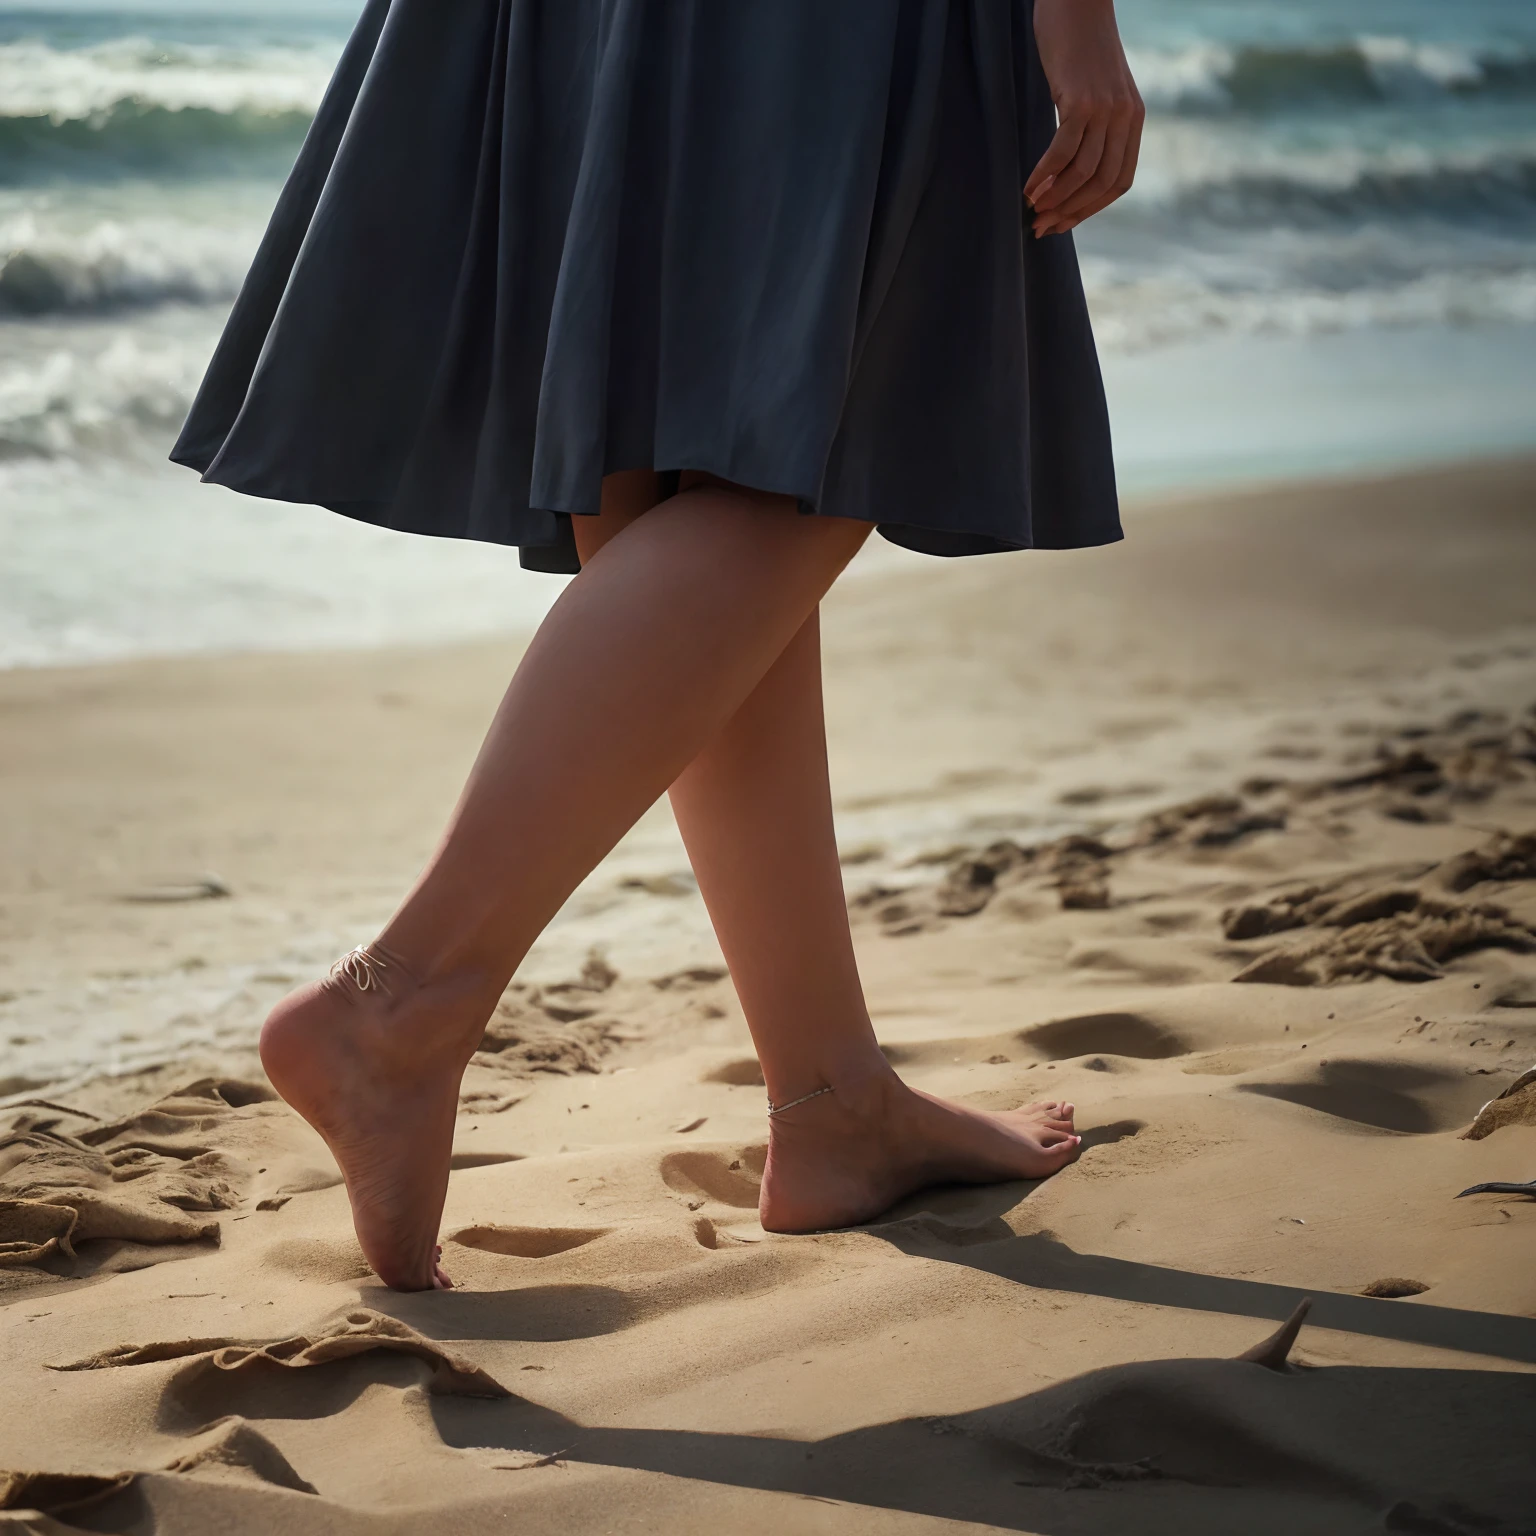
(755, 810)
(639, 664)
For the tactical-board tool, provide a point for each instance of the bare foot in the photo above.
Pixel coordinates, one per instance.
(1056, 1113)
(846, 1156)
(377, 1074)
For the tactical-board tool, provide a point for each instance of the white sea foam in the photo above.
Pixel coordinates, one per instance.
(1135, 314)
(123, 395)
(48, 268)
(78, 84)
(1213, 76)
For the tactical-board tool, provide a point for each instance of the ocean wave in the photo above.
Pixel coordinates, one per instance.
(1138, 314)
(134, 105)
(81, 84)
(126, 398)
(1498, 186)
(1213, 77)
(113, 265)
(132, 139)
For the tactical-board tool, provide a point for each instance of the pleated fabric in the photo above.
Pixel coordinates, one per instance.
(532, 242)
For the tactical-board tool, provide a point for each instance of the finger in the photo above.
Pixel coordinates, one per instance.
(1070, 179)
(1052, 220)
(1057, 157)
(1103, 187)
(1133, 148)
(1132, 122)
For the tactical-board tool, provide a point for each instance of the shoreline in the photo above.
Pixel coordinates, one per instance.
(232, 570)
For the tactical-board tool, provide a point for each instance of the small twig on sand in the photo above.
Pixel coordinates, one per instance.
(1272, 1352)
(1501, 1189)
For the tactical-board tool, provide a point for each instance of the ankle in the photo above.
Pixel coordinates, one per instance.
(861, 1084)
(447, 1008)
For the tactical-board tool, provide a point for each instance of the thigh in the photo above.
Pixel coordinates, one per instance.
(630, 494)
(627, 495)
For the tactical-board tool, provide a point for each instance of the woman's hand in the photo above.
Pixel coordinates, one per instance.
(1092, 159)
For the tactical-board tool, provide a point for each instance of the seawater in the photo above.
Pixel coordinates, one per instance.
(1329, 258)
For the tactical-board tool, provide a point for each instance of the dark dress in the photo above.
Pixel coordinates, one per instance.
(532, 242)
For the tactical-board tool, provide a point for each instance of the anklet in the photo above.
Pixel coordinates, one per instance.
(364, 969)
(778, 1109)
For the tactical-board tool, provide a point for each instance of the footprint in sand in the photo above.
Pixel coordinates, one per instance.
(1385, 1095)
(1105, 1034)
(528, 1242)
(1394, 1289)
(462, 1160)
(727, 1178)
(744, 1073)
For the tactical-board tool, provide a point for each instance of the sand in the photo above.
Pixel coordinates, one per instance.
(1228, 834)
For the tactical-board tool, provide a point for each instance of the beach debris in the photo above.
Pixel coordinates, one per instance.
(479, 1103)
(1503, 857)
(204, 888)
(63, 1109)
(1413, 771)
(527, 1460)
(1211, 821)
(971, 880)
(1088, 892)
(689, 1125)
(550, 1029)
(1395, 931)
(1273, 1352)
(690, 978)
(675, 883)
(1499, 1187)
(1515, 1106)
(359, 1332)
(597, 975)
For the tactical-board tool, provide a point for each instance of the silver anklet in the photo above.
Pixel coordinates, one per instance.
(805, 1098)
(364, 969)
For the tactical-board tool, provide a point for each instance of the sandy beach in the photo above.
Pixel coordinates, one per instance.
(1227, 834)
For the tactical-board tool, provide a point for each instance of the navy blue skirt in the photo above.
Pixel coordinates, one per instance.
(529, 243)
